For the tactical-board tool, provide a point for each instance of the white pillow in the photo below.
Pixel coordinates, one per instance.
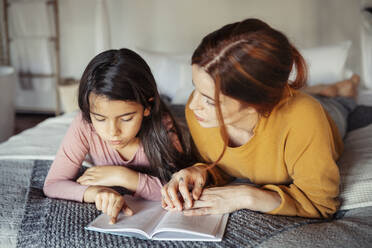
(185, 87)
(356, 169)
(170, 71)
(326, 64)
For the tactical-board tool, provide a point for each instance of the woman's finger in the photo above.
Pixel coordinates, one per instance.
(198, 188)
(165, 196)
(184, 190)
(201, 204)
(172, 192)
(163, 203)
(198, 212)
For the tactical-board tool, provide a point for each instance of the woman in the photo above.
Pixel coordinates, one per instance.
(250, 122)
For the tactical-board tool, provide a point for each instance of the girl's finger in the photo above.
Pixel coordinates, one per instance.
(83, 182)
(111, 204)
(127, 211)
(98, 202)
(81, 178)
(84, 177)
(105, 201)
(184, 190)
(116, 208)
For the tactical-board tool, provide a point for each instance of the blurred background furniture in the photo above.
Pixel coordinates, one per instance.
(8, 82)
(32, 30)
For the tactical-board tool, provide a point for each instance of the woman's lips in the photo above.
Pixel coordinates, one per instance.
(199, 118)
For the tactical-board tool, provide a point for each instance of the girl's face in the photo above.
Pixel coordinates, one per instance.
(117, 122)
(203, 103)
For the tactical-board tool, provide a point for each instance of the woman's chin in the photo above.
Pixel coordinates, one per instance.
(207, 124)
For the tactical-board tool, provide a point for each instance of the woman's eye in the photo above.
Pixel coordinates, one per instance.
(209, 102)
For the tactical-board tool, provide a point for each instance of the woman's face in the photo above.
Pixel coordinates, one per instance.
(117, 122)
(203, 103)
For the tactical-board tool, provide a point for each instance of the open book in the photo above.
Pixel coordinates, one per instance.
(151, 221)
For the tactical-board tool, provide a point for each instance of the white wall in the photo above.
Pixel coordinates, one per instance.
(341, 20)
(178, 26)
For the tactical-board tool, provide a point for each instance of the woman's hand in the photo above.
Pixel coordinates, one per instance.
(227, 199)
(110, 175)
(108, 201)
(194, 177)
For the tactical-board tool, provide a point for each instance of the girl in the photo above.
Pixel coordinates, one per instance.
(250, 122)
(125, 128)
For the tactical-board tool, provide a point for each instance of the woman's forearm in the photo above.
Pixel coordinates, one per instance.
(260, 199)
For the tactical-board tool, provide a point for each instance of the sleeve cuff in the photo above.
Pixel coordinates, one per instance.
(285, 208)
(81, 192)
(148, 187)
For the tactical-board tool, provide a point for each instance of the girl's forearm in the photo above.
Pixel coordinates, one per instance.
(91, 192)
(128, 178)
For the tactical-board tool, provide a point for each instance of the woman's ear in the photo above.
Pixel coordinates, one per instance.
(251, 110)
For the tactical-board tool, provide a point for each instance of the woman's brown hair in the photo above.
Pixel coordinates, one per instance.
(251, 62)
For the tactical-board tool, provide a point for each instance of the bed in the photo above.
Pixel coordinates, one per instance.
(29, 219)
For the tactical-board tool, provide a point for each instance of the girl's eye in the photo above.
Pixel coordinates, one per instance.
(125, 120)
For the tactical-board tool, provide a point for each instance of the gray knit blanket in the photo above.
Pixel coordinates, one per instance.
(29, 219)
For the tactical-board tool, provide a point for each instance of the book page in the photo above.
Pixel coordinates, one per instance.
(206, 225)
(172, 235)
(147, 215)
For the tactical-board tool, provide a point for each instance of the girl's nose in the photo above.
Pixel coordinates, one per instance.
(114, 130)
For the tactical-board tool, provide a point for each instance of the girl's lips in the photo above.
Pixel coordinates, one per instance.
(115, 142)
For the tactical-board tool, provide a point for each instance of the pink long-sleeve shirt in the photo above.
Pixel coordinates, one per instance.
(81, 139)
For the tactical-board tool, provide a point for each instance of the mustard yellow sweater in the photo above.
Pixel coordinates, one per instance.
(292, 152)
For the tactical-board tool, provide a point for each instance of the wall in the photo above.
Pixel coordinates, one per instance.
(178, 26)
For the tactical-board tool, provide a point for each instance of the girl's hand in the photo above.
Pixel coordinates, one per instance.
(108, 201)
(194, 177)
(227, 199)
(110, 175)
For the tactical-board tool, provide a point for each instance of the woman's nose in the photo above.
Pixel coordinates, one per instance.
(194, 103)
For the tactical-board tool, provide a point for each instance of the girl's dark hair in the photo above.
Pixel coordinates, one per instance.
(251, 62)
(124, 75)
